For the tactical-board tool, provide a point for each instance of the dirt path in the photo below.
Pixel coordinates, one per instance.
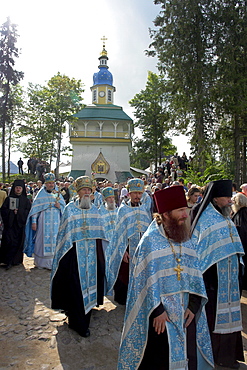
(32, 336)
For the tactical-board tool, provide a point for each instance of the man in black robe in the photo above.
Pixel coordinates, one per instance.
(14, 212)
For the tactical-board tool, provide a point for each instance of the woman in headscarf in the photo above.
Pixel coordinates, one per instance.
(14, 212)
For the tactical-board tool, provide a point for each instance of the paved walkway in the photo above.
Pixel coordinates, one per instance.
(33, 336)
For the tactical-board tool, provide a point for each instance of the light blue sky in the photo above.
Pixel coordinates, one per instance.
(65, 37)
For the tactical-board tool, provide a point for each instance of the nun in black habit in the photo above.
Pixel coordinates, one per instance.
(14, 212)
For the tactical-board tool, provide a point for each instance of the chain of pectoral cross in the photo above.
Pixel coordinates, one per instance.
(177, 269)
(230, 228)
(84, 226)
(111, 217)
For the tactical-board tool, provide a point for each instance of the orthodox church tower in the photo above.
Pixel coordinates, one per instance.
(101, 136)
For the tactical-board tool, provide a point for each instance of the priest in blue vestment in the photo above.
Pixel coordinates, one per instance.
(165, 326)
(219, 250)
(43, 223)
(96, 197)
(132, 221)
(108, 212)
(78, 271)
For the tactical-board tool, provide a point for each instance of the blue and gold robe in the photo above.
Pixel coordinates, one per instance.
(217, 242)
(47, 217)
(131, 223)
(109, 220)
(81, 227)
(154, 280)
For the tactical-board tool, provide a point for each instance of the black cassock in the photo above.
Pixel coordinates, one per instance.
(11, 250)
(227, 348)
(240, 221)
(66, 293)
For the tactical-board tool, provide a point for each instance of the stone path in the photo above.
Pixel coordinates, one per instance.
(33, 336)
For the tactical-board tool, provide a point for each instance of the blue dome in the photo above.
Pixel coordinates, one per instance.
(103, 77)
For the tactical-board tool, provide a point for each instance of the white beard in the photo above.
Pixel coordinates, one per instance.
(85, 202)
(110, 206)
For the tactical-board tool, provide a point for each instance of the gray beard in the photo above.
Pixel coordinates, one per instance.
(110, 206)
(85, 202)
(226, 211)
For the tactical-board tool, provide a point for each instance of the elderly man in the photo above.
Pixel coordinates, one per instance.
(77, 280)
(243, 187)
(108, 212)
(219, 250)
(165, 297)
(132, 221)
(43, 223)
(14, 212)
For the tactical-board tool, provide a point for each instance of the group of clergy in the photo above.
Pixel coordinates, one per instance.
(180, 284)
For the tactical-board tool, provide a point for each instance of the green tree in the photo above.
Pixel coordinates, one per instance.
(230, 88)
(9, 77)
(181, 42)
(152, 117)
(64, 101)
(47, 111)
(141, 155)
(15, 118)
(35, 128)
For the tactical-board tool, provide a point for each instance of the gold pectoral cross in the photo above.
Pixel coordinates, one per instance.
(139, 226)
(178, 270)
(84, 226)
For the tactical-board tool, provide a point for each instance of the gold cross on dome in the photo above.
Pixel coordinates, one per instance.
(103, 39)
(178, 270)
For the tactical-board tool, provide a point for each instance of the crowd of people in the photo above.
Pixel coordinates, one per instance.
(172, 253)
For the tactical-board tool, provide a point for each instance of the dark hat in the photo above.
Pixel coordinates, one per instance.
(222, 188)
(18, 183)
(169, 199)
(214, 189)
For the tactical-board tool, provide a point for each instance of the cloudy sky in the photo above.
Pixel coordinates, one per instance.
(57, 36)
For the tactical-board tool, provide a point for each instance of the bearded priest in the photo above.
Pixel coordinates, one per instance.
(166, 295)
(78, 271)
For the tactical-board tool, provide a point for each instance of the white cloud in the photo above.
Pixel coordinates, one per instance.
(65, 37)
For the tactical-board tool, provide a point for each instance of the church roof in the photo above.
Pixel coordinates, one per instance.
(104, 112)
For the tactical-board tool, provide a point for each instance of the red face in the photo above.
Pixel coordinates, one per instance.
(179, 214)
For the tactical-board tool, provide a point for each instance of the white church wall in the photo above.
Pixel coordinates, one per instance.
(117, 155)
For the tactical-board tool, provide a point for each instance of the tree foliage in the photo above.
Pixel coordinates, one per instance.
(201, 49)
(181, 43)
(36, 128)
(230, 87)
(9, 77)
(152, 119)
(48, 109)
